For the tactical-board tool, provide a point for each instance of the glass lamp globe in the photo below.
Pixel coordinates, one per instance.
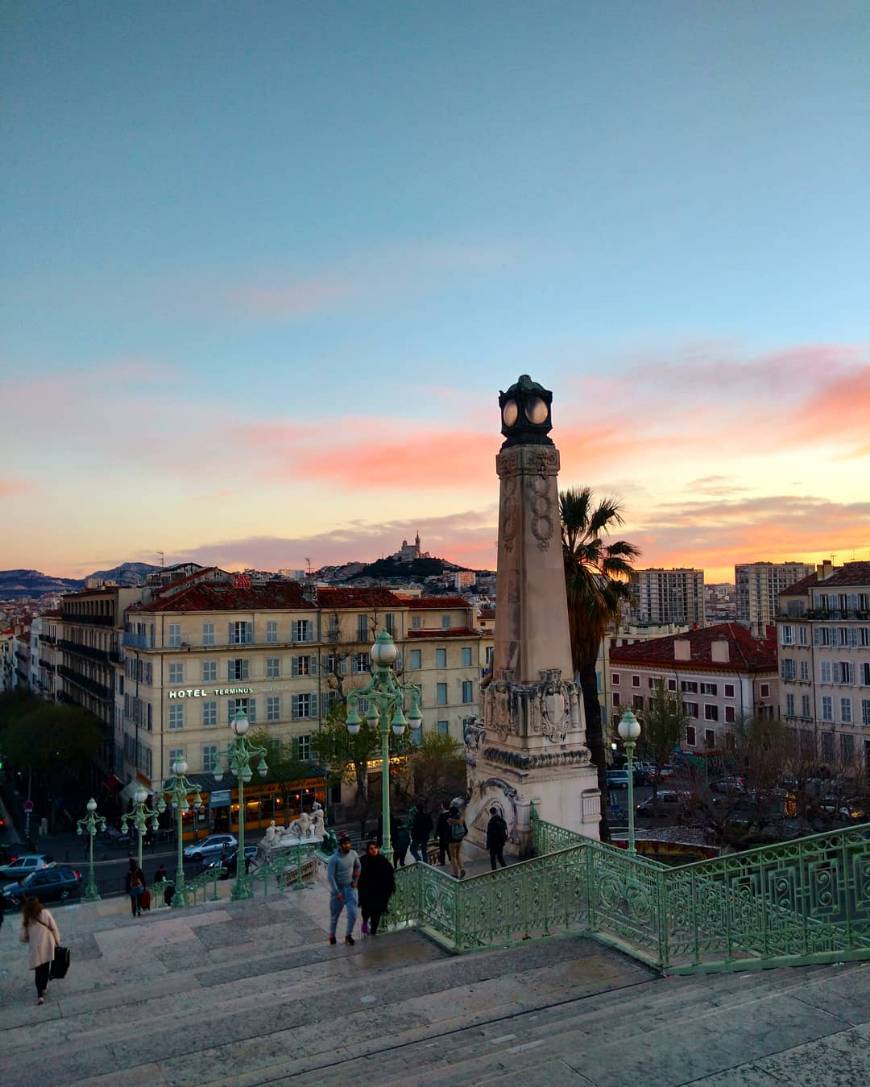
(384, 651)
(241, 724)
(629, 727)
(140, 796)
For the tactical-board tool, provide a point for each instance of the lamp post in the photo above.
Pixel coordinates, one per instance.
(629, 730)
(238, 755)
(89, 825)
(177, 789)
(385, 697)
(140, 815)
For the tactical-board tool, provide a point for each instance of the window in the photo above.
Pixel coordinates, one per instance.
(805, 671)
(303, 706)
(864, 636)
(273, 667)
(614, 679)
(637, 702)
(765, 690)
(729, 714)
(174, 637)
(710, 688)
(467, 691)
(302, 666)
(362, 628)
(827, 747)
(651, 683)
(826, 671)
(442, 728)
(690, 709)
(672, 684)
(241, 632)
(615, 698)
(176, 673)
(847, 748)
(690, 735)
(802, 636)
(416, 622)
(865, 711)
(635, 681)
(416, 659)
(842, 636)
(445, 622)
(271, 631)
(237, 669)
(209, 714)
(303, 631)
(729, 690)
(787, 635)
(441, 694)
(689, 685)
(466, 657)
(711, 713)
(209, 758)
(709, 738)
(176, 754)
(247, 706)
(827, 708)
(176, 715)
(209, 671)
(390, 622)
(303, 748)
(360, 663)
(788, 671)
(440, 658)
(789, 705)
(846, 711)
(208, 633)
(805, 706)
(273, 707)
(865, 675)
(843, 672)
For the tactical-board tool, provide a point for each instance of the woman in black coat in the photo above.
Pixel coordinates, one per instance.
(377, 882)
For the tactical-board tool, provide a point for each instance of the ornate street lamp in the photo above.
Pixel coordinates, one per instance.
(140, 815)
(385, 697)
(238, 755)
(177, 788)
(89, 825)
(629, 730)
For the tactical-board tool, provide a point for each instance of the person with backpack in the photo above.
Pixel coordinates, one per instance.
(39, 930)
(442, 833)
(458, 831)
(496, 836)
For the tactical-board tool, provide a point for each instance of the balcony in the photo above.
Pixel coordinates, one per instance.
(135, 641)
(89, 651)
(89, 620)
(98, 690)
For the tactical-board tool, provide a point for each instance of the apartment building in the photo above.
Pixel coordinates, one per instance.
(620, 634)
(722, 674)
(823, 631)
(758, 587)
(667, 596)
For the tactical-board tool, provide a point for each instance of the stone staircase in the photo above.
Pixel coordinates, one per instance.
(245, 994)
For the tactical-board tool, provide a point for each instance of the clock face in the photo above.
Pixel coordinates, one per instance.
(536, 411)
(510, 413)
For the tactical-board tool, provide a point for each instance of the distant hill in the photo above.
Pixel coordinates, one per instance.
(18, 584)
(128, 573)
(417, 568)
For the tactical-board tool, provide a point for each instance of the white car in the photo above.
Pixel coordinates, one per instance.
(24, 864)
(212, 846)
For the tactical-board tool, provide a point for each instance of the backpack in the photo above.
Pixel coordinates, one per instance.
(457, 831)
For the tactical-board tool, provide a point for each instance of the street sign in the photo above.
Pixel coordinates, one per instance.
(28, 806)
(219, 798)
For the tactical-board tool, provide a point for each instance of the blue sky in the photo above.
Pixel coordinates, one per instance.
(233, 218)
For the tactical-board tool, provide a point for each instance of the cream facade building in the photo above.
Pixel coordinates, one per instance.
(758, 585)
(667, 596)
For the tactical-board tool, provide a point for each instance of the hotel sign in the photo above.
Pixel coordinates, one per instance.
(200, 692)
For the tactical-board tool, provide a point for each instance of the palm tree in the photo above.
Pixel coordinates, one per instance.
(596, 579)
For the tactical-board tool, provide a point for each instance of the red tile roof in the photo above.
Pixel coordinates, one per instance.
(221, 596)
(338, 597)
(799, 588)
(850, 573)
(745, 653)
(432, 602)
(453, 632)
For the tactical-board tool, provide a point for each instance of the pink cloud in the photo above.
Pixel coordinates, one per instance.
(11, 488)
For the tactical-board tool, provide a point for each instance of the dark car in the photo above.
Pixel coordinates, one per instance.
(55, 884)
(668, 803)
(227, 864)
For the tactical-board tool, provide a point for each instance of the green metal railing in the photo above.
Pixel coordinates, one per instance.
(806, 901)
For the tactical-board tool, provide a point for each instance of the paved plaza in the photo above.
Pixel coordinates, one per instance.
(242, 994)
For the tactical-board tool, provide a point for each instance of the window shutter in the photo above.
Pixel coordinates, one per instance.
(252, 710)
(313, 665)
(294, 706)
(314, 705)
(294, 670)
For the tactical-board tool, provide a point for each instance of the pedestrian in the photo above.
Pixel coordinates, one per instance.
(403, 840)
(128, 883)
(342, 873)
(458, 830)
(377, 882)
(39, 930)
(496, 836)
(442, 832)
(421, 830)
(160, 874)
(136, 889)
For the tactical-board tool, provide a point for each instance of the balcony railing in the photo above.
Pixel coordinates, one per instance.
(89, 651)
(98, 690)
(89, 620)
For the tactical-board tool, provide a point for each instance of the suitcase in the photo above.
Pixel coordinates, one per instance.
(60, 962)
(146, 900)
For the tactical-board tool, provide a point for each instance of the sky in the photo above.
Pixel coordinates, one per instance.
(265, 267)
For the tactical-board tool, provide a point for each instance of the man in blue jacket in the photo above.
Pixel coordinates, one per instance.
(342, 872)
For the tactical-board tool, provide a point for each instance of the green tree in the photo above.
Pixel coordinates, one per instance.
(596, 581)
(437, 769)
(48, 738)
(281, 758)
(663, 727)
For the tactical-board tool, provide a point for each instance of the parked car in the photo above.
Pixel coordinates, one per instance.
(212, 846)
(55, 884)
(617, 779)
(729, 785)
(668, 803)
(24, 864)
(227, 864)
(121, 839)
(643, 773)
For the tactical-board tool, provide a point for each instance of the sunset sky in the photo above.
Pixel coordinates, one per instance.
(264, 268)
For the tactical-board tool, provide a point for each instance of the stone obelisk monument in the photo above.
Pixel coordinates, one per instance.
(531, 742)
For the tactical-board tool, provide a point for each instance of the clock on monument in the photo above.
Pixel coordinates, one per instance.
(525, 413)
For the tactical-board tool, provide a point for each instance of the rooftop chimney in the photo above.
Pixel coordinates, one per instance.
(682, 649)
(720, 650)
(824, 570)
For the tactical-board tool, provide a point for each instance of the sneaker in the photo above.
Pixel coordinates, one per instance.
(349, 940)
(462, 874)
(40, 1000)
(364, 928)
(332, 939)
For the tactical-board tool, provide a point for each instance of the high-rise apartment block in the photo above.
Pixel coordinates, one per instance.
(758, 587)
(668, 596)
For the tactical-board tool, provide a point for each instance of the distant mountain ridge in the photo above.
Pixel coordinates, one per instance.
(20, 584)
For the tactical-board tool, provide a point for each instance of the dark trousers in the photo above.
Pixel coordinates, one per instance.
(442, 850)
(373, 918)
(496, 853)
(42, 973)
